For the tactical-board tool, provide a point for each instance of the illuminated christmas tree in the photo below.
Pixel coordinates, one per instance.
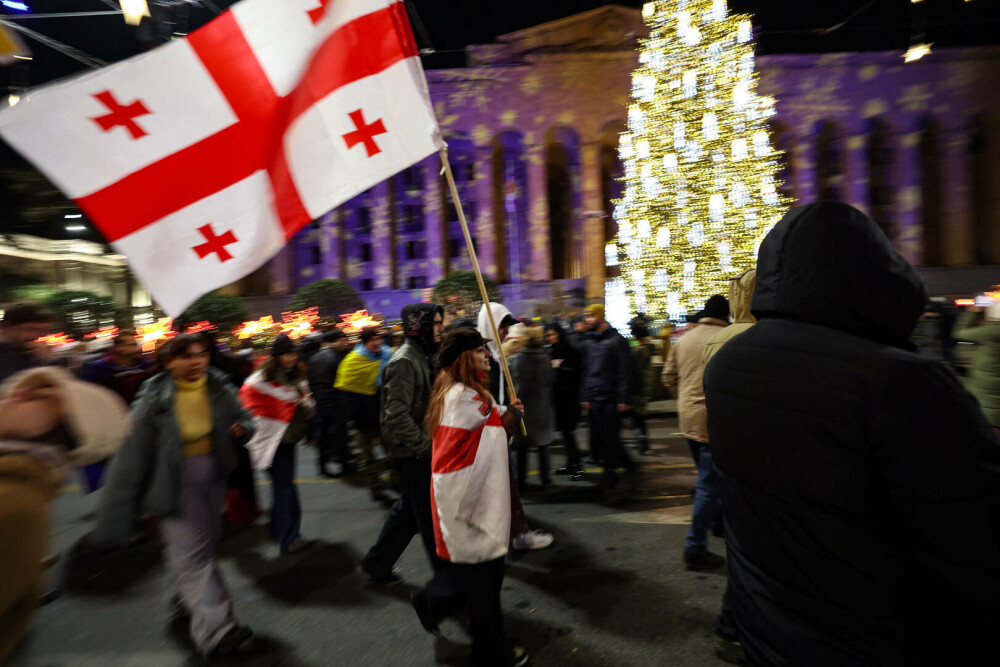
(700, 173)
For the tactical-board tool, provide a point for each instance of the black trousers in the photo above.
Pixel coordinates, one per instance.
(410, 515)
(572, 451)
(606, 437)
(523, 443)
(333, 442)
(476, 587)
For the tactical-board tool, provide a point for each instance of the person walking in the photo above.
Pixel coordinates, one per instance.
(22, 325)
(122, 371)
(359, 378)
(605, 391)
(525, 538)
(333, 445)
(741, 289)
(471, 498)
(406, 392)
(642, 368)
(682, 375)
(531, 371)
(50, 422)
(565, 361)
(861, 482)
(186, 425)
(981, 325)
(278, 398)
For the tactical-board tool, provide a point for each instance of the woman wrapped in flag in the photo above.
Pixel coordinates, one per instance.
(470, 498)
(278, 397)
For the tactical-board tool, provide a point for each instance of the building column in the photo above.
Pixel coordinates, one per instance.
(539, 235)
(435, 226)
(858, 172)
(908, 239)
(957, 235)
(484, 229)
(806, 170)
(330, 244)
(592, 224)
(383, 252)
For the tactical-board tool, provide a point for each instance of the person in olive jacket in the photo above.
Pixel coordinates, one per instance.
(186, 426)
(406, 391)
(982, 327)
(861, 482)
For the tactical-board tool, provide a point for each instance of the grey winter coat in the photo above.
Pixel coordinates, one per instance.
(406, 393)
(531, 371)
(145, 475)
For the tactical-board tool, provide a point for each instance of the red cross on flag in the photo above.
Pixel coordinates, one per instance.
(200, 159)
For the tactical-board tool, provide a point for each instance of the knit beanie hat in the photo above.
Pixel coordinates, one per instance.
(595, 309)
(282, 345)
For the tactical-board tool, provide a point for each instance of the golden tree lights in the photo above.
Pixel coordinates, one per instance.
(701, 186)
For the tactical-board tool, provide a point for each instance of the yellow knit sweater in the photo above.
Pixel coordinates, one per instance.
(193, 410)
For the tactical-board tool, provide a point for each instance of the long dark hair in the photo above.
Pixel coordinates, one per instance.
(273, 372)
(462, 371)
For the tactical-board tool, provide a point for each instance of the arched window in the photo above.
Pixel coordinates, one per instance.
(829, 162)
(881, 185)
(932, 218)
(462, 153)
(563, 157)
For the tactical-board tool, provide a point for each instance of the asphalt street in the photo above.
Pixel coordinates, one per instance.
(611, 590)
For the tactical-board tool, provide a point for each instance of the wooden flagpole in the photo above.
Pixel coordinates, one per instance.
(479, 275)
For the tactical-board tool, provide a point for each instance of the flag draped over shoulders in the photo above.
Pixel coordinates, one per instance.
(272, 406)
(470, 488)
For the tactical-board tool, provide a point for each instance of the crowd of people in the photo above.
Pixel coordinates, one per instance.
(855, 481)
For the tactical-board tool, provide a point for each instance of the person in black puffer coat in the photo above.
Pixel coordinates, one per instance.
(861, 482)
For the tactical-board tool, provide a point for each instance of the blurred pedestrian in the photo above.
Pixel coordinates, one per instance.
(49, 423)
(642, 388)
(605, 392)
(278, 398)
(406, 391)
(333, 445)
(860, 481)
(525, 538)
(22, 325)
(359, 378)
(981, 325)
(471, 498)
(565, 362)
(682, 375)
(122, 370)
(187, 424)
(531, 371)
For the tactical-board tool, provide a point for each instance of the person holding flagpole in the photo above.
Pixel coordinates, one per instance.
(470, 498)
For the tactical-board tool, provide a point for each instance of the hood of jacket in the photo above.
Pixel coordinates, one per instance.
(500, 311)
(418, 325)
(740, 295)
(829, 264)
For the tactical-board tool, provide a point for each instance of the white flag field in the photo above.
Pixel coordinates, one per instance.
(199, 160)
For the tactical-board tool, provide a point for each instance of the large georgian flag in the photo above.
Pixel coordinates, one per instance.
(200, 159)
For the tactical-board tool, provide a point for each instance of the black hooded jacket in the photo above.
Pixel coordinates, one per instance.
(407, 382)
(861, 482)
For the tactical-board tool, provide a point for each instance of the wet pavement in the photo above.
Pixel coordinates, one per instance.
(611, 590)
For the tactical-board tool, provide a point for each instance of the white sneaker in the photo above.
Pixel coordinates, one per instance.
(533, 539)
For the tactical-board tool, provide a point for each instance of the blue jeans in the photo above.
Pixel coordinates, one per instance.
(707, 503)
(286, 514)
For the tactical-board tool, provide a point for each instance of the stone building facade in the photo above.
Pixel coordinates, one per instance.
(532, 125)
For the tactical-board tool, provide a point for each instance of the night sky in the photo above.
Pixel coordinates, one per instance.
(784, 26)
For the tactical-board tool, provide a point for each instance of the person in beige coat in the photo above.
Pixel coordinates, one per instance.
(740, 295)
(682, 375)
(50, 423)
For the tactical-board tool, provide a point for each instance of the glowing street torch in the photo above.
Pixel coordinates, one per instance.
(254, 327)
(150, 335)
(299, 323)
(356, 321)
(134, 11)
